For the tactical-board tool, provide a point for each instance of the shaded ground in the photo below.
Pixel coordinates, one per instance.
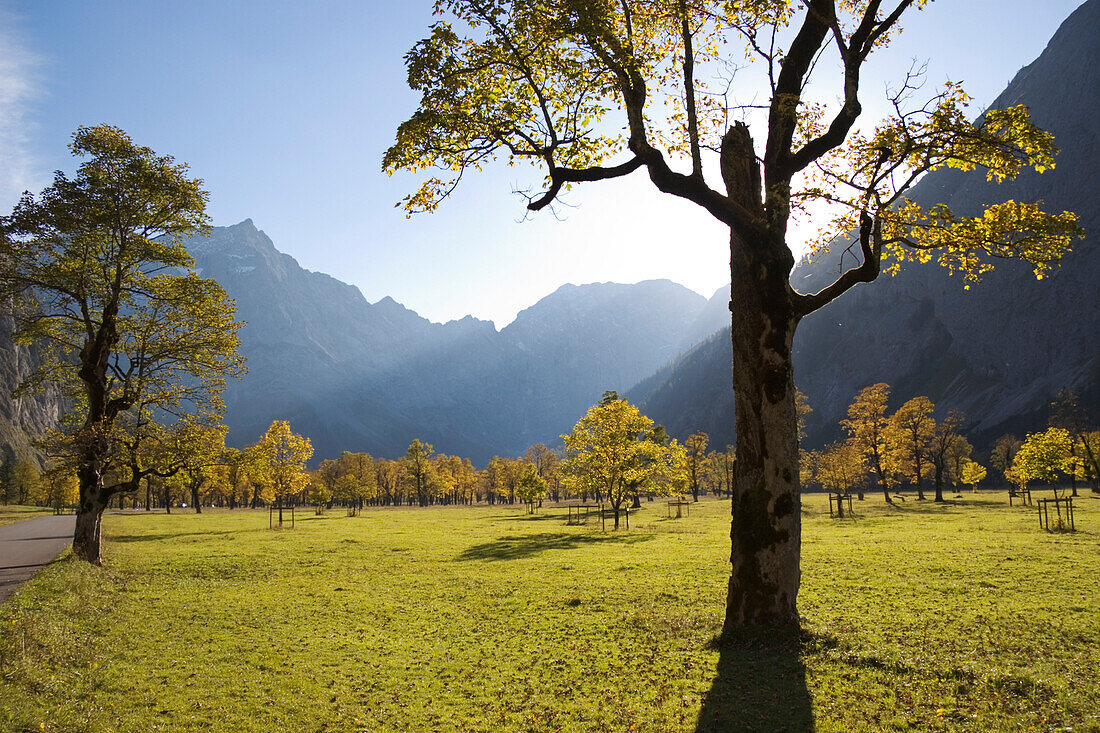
(26, 547)
(760, 685)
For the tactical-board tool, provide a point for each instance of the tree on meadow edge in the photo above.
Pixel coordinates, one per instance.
(945, 434)
(1044, 456)
(959, 451)
(363, 485)
(418, 471)
(841, 467)
(972, 474)
(909, 438)
(60, 486)
(1003, 454)
(280, 462)
(614, 452)
(531, 489)
(197, 451)
(26, 482)
(553, 82)
(867, 424)
(546, 462)
(388, 477)
(695, 447)
(97, 267)
(1066, 414)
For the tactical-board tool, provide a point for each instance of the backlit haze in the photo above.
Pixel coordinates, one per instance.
(285, 109)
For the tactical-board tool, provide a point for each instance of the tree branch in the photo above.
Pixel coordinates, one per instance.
(561, 176)
(870, 244)
(783, 117)
(689, 95)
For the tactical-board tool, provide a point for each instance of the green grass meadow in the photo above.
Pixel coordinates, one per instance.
(962, 616)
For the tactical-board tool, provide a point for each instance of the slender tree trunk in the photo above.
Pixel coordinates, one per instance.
(1073, 473)
(195, 496)
(938, 476)
(766, 528)
(882, 480)
(1092, 469)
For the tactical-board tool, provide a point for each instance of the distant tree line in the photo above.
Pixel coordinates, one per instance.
(910, 450)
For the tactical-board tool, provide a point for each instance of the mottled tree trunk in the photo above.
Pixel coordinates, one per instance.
(89, 516)
(766, 527)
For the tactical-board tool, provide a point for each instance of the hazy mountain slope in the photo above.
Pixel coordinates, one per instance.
(999, 351)
(693, 392)
(500, 392)
(307, 336)
(353, 375)
(715, 315)
(358, 376)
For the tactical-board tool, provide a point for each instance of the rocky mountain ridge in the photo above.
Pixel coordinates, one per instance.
(360, 376)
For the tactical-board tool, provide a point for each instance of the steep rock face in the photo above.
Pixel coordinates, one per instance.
(22, 419)
(999, 351)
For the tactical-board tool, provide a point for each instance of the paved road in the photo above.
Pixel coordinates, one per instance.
(27, 546)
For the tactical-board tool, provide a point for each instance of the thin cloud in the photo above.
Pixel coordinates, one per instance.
(18, 88)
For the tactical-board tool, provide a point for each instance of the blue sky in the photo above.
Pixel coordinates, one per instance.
(285, 108)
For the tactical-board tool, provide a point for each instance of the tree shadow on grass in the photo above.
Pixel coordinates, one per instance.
(760, 684)
(519, 546)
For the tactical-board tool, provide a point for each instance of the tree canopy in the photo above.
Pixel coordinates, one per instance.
(596, 90)
(101, 280)
(1044, 456)
(281, 460)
